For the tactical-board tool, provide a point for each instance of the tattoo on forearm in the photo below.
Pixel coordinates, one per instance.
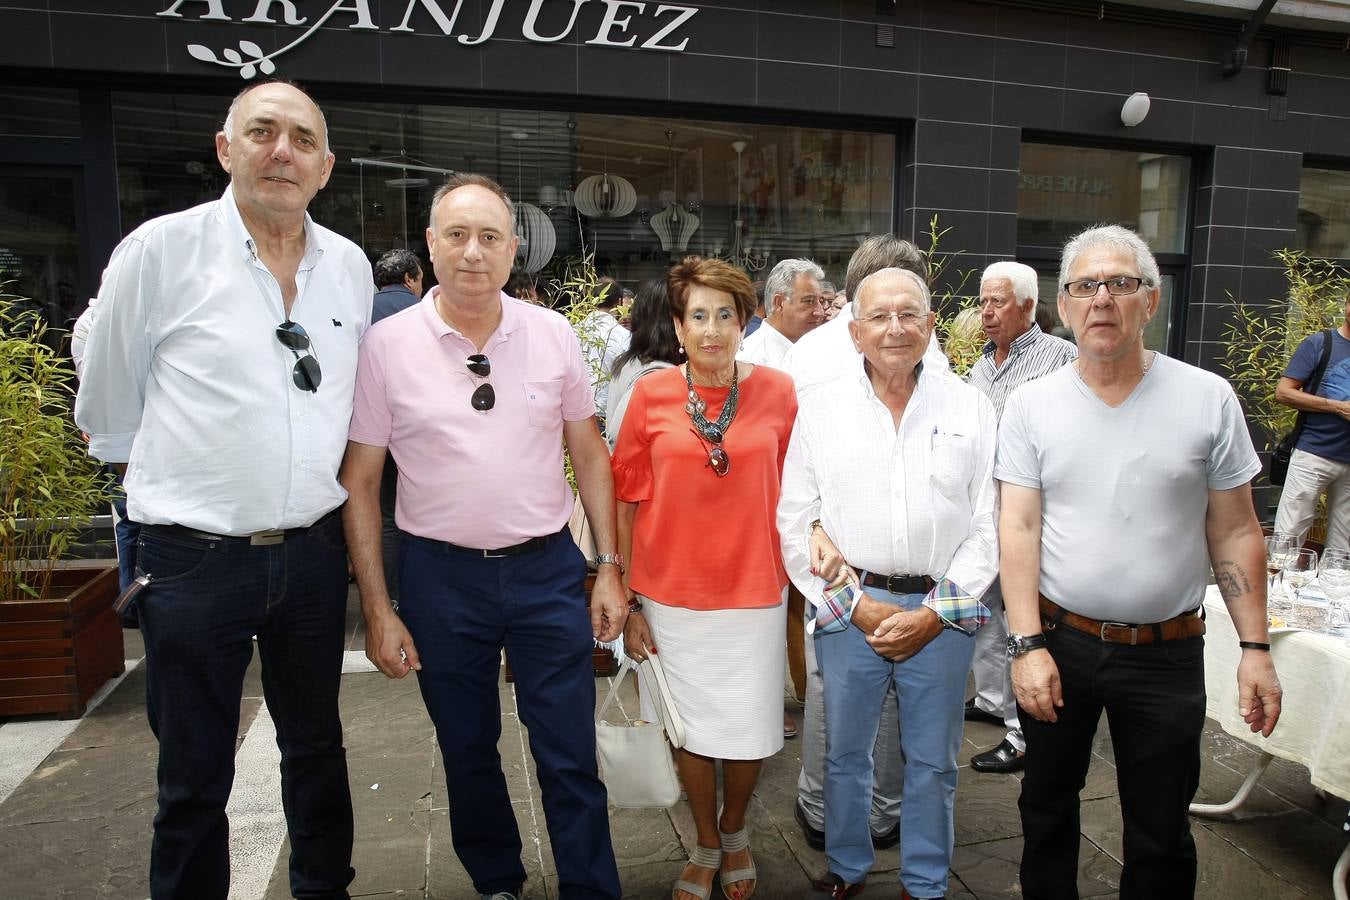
(1231, 579)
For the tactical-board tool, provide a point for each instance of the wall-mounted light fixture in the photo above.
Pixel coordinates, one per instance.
(1134, 110)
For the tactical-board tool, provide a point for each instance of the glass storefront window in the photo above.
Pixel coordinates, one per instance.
(800, 191)
(39, 112)
(1324, 213)
(1066, 189)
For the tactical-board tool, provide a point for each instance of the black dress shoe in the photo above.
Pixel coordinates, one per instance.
(1003, 759)
(888, 840)
(975, 714)
(815, 838)
(831, 887)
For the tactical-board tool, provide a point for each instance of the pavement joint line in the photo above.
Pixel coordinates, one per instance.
(257, 823)
(24, 745)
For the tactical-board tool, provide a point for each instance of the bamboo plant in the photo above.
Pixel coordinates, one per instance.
(49, 486)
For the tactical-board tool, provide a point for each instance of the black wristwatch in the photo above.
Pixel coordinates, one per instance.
(1022, 644)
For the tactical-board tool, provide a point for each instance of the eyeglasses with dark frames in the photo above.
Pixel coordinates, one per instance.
(483, 397)
(307, 375)
(1119, 286)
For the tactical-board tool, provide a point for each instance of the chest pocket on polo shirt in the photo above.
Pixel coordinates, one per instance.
(953, 460)
(543, 400)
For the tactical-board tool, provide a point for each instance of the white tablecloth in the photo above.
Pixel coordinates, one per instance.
(1314, 726)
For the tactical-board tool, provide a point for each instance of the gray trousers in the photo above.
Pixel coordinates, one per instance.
(993, 670)
(889, 772)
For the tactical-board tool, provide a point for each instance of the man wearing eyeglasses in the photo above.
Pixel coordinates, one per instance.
(794, 307)
(907, 532)
(1016, 352)
(475, 394)
(219, 372)
(1124, 476)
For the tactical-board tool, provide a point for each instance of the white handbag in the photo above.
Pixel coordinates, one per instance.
(635, 761)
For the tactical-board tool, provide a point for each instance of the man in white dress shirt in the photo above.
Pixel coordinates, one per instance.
(219, 374)
(909, 525)
(793, 306)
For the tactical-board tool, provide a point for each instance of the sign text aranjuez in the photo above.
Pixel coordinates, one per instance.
(623, 23)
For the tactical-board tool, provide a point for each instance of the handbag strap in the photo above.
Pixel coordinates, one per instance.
(614, 689)
(1312, 384)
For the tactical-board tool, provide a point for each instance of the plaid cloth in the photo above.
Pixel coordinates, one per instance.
(956, 608)
(834, 611)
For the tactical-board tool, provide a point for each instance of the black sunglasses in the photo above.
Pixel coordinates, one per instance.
(483, 397)
(307, 375)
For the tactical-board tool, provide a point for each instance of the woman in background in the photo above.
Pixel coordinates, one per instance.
(653, 346)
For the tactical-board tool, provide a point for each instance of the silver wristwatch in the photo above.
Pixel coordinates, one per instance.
(613, 559)
(1022, 644)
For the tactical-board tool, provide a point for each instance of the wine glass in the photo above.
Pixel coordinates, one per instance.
(1279, 548)
(1334, 577)
(1299, 568)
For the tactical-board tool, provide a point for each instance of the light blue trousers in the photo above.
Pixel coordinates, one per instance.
(930, 688)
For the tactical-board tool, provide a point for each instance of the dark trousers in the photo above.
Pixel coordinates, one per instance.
(206, 601)
(1154, 698)
(461, 610)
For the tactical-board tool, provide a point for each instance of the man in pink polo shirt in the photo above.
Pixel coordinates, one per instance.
(475, 393)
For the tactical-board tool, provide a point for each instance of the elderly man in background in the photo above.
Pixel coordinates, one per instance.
(1124, 476)
(498, 386)
(907, 533)
(603, 340)
(398, 283)
(831, 299)
(793, 306)
(202, 379)
(1017, 352)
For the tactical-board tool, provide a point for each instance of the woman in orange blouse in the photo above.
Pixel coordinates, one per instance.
(696, 471)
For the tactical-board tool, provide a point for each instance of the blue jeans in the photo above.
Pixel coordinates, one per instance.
(461, 610)
(930, 689)
(1154, 698)
(206, 601)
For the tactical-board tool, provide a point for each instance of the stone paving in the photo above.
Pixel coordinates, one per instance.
(78, 824)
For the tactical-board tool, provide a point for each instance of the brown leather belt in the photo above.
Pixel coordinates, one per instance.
(897, 584)
(1186, 625)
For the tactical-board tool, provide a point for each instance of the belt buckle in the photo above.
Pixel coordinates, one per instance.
(488, 554)
(891, 585)
(1134, 632)
(267, 538)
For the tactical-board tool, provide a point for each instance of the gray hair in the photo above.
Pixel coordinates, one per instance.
(907, 274)
(882, 251)
(464, 179)
(784, 276)
(1022, 277)
(1117, 236)
(228, 127)
(828, 286)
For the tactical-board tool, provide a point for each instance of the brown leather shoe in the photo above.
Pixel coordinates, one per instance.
(831, 887)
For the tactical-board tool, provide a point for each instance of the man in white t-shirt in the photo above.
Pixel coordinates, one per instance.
(1123, 477)
(793, 306)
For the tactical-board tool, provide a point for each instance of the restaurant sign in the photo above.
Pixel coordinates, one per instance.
(624, 23)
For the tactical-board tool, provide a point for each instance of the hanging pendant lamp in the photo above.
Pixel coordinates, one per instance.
(674, 225)
(538, 239)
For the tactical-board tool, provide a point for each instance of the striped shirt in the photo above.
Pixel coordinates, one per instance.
(1033, 353)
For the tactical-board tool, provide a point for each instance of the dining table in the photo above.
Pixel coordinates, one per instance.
(1314, 725)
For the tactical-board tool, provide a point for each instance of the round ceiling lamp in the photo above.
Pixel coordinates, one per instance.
(538, 239)
(605, 196)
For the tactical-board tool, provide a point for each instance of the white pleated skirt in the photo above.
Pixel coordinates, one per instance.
(725, 669)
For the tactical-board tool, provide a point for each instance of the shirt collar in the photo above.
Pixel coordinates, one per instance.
(229, 209)
(1022, 342)
(512, 317)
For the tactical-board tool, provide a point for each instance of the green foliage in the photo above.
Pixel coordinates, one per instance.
(1260, 339)
(49, 486)
(961, 346)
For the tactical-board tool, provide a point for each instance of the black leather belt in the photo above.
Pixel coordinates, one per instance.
(533, 544)
(898, 584)
(257, 539)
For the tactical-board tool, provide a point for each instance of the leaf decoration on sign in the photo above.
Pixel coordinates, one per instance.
(251, 49)
(232, 55)
(205, 54)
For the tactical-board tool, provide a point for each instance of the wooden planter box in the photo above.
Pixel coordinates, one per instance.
(602, 659)
(56, 653)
